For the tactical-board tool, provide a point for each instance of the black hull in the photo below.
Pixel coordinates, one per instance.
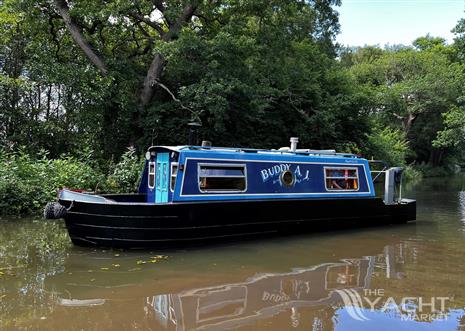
(138, 225)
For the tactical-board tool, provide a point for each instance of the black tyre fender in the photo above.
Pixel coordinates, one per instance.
(49, 211)
(53, 210)
(59, 210)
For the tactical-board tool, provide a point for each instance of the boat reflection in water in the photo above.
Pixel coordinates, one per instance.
(233, 305)
(278, 286)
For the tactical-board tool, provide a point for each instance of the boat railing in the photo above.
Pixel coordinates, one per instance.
(392, 188)
(377, 173)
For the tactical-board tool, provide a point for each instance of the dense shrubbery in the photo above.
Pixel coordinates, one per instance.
(27, 183)
(124, 176)
(389, 145)
(427, 170)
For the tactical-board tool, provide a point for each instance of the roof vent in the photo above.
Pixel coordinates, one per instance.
(294, 141)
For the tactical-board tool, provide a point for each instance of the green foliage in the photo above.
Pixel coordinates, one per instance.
(351, 56)
(427, 170)
(412, 174)
(125, 175)
(238, 65)
(428, 42)
(453, 134)
(27, 183)
(411, 90)
(389, 145)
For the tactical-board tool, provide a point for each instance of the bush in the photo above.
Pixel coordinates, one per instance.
(388, 145)
(27, 183)
(125, 175)
(427, 170)
(412, 174)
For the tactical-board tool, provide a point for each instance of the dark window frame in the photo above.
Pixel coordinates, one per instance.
(174, 176)
(222, 165)
(341, 168)
(151, 174)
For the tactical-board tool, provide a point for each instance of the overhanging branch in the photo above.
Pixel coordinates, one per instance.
(78, 37)
(195, 115)
(150, 23)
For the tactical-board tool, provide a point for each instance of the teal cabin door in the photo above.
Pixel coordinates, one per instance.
(161, 187)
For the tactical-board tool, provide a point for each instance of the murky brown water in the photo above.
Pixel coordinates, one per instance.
(320, 281)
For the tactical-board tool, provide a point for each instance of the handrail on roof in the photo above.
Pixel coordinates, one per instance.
(255, 150)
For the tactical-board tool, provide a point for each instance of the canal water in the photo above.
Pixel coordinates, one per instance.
(403, 277)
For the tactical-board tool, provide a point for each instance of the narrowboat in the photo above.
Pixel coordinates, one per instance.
(192, 193)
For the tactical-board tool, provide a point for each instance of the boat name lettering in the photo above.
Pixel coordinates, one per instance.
(275, 297)
(274, 171)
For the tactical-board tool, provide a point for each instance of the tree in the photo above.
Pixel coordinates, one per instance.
(428, 42)
(350, 56)
(453, 134)
(414, 86)
(145, 66)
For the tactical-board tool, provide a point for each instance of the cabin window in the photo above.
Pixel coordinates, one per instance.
(341, 179)
(174, 174)
(222, 178)
(151, 174)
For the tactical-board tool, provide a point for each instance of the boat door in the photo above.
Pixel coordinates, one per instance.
(161, 186)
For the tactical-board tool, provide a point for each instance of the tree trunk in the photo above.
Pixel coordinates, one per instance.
(78, 36)
(408, 122)
(49, 98)
(158, 63)
(151, 79)
(436, 157)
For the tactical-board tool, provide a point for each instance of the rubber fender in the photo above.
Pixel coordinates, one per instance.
(53, 210)
(59, 210)
(49, 211)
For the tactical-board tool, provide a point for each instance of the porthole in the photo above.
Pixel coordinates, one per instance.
(287, 178)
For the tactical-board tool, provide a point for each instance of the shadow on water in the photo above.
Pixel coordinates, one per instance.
(305, 282)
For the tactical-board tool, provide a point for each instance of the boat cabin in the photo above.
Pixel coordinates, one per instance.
(204, 173)
(199, 193)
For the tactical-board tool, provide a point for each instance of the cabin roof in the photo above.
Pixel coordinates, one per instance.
(235, 151)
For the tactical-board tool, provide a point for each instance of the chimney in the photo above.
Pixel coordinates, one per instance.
(193, 133)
